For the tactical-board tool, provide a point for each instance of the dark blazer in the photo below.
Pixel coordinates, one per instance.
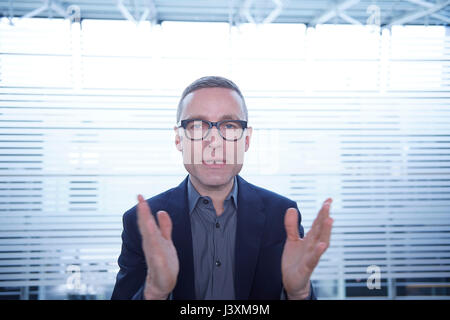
(260, 238)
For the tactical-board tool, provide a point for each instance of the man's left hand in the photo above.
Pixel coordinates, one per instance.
(301, 256)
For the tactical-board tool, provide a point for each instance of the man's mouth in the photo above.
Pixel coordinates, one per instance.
(214, 163)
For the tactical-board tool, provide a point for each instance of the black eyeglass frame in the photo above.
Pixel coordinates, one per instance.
(184, 123)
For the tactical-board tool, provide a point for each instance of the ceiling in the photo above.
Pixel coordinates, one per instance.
(309, 12)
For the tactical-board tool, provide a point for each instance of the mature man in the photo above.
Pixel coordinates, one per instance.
(217, 236)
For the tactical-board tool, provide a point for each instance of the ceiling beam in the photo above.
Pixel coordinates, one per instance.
(125, 12)
(429, 5)
(331, 13)
(153, 11)
(349, 19)
(149, 10)
(275, 12)
(414, 16)
(245, 11)
(53, 5)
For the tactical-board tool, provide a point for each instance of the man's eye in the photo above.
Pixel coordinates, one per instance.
(230, 126)
(194, 126)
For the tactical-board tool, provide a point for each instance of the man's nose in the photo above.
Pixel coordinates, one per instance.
(214, 138)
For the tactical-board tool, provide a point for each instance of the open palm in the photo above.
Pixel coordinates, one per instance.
(160, 253)
(301, 256)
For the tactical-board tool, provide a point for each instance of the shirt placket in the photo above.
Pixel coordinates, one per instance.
(217, 258)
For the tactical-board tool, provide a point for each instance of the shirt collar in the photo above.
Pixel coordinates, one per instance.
(194, 196)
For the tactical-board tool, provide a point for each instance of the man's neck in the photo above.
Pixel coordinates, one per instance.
(217, 194)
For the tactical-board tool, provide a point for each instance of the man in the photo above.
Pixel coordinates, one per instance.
(216, 236)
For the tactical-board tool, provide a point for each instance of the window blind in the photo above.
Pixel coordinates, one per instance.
(86, 123)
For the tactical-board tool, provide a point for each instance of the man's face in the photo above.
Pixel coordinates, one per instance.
(213, 161)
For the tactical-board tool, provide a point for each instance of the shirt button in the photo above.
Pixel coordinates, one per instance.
(217, 225)
(205, 201)
(218, 263)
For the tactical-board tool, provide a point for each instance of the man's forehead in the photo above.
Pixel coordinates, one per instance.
(221, 102)
(218, 117)
(216, 93)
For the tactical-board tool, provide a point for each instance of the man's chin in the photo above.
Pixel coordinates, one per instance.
(211, 178)
(214, 180)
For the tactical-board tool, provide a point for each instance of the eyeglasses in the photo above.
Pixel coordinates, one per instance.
(229, 130)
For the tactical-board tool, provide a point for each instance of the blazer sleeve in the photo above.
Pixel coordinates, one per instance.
(130, 279)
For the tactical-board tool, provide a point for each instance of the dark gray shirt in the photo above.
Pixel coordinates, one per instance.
(213, 240)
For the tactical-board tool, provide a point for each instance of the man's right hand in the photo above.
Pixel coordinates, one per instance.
(160, 253)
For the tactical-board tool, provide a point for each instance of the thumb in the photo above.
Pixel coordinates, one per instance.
(291, 224)
(165, 224)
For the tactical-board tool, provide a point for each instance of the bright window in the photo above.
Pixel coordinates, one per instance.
(86, 118)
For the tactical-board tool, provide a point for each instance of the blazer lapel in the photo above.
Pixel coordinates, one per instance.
(250, 225)
(177, 207)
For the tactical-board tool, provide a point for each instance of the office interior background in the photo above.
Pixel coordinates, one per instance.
(348, 99)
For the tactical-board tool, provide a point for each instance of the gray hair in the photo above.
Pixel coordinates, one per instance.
(211, 82)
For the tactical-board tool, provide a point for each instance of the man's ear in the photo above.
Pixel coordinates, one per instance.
(178, 139)
(248, 136)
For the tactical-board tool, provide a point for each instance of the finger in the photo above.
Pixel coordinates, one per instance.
(325, 210)
(323, 214)
(324, 242)
(325, 233)
(291, 224)
(165, 224)
(146, 221)
(316, 254)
